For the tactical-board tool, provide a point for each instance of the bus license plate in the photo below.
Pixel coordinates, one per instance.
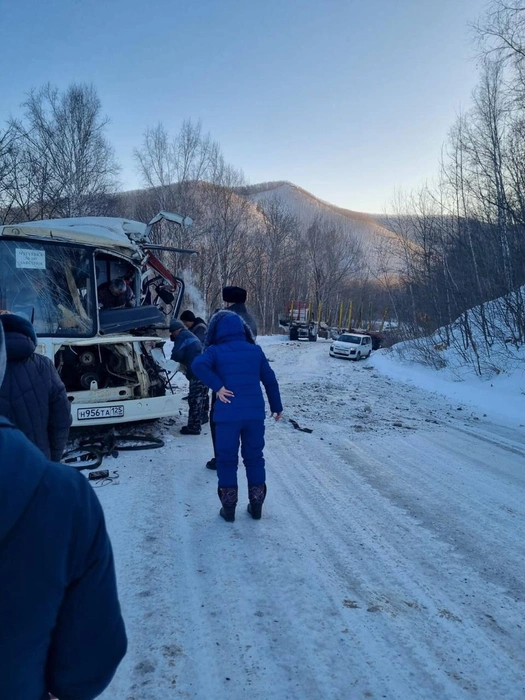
(101, 412)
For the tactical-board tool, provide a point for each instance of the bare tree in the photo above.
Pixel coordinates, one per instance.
(7, 139)
(333, 256)
(229, 218)
(172, 167)
(274, 265)
(470, 248)
(501, 36)
(63, 165)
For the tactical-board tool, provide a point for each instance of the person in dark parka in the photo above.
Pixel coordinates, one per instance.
(186, 347)
(33, 396)
(61, 629)
(233, 366)
(235, 300)
(195, 324)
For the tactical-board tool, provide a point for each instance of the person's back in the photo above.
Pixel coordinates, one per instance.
(61, 630)
(33, 396)
(242, 311)
(234, 367)
(199, 328)
(61, 627)
(238, 362)
(186, 346)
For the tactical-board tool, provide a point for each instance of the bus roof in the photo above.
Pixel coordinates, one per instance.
(101, 231)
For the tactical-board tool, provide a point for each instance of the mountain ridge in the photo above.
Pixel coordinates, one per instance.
(374, 237)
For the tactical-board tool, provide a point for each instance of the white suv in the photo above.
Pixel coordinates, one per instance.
(351, 346)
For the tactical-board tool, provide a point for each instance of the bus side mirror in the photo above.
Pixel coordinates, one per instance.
(166, 296)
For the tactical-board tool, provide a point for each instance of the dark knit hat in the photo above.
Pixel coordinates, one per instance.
(177, 325)
(15, 323)
(187, 316)
(234, 295)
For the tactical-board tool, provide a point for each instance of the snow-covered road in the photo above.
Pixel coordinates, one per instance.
(389, 563)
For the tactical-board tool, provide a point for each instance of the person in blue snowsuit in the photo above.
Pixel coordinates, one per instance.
(61, 630)
(233, 366)
(235, 300)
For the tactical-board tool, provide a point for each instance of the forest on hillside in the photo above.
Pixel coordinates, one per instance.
(458, 243)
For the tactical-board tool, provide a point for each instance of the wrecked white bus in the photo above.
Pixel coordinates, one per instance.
(111, 360)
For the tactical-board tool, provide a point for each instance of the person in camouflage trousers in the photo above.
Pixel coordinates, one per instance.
(186, 347)
(197, 396)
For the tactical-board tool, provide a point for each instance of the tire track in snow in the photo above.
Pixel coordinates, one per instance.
(453, 490)
(351, 586)
(148, 567)
(359, 578)
(265, 633)
(427, 590)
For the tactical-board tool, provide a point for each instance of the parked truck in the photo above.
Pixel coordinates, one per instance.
(299, 322)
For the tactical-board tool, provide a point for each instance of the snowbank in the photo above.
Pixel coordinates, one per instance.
(502, 396)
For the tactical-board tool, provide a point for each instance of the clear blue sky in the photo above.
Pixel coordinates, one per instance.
(350, 99)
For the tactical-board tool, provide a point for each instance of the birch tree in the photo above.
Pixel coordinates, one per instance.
(63, 163)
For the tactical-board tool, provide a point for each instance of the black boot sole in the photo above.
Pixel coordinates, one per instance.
(255, 510)
(228, 514)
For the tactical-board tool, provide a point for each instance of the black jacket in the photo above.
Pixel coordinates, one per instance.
(61, 630)
(199, 328)
(241, 310)
(32, 395)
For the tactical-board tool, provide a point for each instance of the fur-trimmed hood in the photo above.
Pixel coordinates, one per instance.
(226, 326)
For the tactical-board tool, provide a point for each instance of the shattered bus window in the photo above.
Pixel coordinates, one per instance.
(50, 284)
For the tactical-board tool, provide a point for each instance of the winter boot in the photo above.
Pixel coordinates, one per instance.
(256, 494)
(228, 496)
(211, 464)
(186, 430)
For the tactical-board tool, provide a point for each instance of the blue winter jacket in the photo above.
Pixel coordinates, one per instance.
(32, 395)
(186, 347)
(61, 630)
(233, 360)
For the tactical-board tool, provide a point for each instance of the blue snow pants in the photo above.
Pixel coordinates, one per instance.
(250, 434)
